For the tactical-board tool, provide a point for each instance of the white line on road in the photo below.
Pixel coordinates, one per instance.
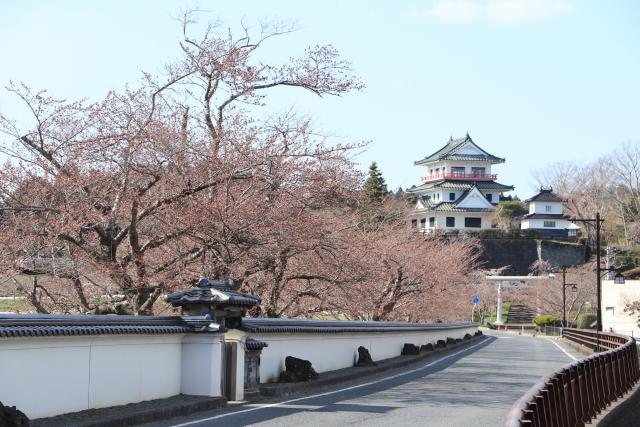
(563, 350)
(272, 405)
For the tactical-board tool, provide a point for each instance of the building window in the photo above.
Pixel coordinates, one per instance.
(490, 197)
(572, 232)
(423, 222)
(432, 221)
(451, 221)
(478, 171)
(414, 223)
(547, 208)
(457, 170)
(452, 196)
(473, 222)
(549, 224)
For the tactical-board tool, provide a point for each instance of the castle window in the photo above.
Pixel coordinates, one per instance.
(490, 197)
(549, 224)
(432, 222)
(451, 221)
(452, 196)
(473, 222)
(478, 171)
(547, 208)
(414, 223)
(457, 170)
(423, 222)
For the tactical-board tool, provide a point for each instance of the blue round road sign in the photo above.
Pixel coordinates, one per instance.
(476, 300)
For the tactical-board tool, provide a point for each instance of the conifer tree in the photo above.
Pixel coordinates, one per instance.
(375, 187)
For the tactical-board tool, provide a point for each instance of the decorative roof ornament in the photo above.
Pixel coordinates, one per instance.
(212, 305)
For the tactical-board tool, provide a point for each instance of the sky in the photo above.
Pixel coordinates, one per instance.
(533, 81)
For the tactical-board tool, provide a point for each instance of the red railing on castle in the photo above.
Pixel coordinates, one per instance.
(577, 393)
(460, 176)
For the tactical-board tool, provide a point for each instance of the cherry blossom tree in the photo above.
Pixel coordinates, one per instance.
(116, 202)
(178, 177)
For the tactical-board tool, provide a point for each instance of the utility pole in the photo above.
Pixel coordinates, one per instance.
(564, 297)
(598, 277)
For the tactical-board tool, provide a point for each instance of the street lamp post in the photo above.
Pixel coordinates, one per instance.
(598, 221)
(574, 290)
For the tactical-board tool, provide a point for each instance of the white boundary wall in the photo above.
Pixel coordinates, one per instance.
(48, 376)
(330, 351)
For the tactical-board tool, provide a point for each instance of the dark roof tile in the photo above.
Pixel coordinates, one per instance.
(263, 325)
(208, 291)
(545, 216)
(545, 196)
(39, 325)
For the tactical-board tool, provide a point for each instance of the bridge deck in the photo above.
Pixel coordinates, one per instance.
(472, 387)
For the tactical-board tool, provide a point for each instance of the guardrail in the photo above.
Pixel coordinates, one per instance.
(576, 393)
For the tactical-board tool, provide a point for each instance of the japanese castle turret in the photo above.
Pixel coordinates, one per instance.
(459, 190)
(546, 216)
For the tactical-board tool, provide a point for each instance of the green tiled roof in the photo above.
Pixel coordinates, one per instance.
(460, 185)
(451, 207)
(448, 153)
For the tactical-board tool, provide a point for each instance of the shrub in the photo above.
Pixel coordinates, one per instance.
(511, 209)
(492, 233)
(585, 320)
(546, 320)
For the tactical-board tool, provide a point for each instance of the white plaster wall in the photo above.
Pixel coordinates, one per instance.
(449, 165)
(468, 148)
(47, 376)
(617, 296)
(126, 369)
(561, 224)
(328, 352)
(441, 220)
(539, 207)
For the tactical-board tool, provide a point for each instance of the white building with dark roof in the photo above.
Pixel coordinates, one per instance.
(546, 216)
(459, 190)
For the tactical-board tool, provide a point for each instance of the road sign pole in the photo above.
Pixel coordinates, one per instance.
(499, 306)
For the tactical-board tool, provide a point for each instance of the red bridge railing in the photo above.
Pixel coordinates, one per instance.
(575, 394)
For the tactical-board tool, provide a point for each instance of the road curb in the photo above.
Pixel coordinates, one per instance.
(134, 413)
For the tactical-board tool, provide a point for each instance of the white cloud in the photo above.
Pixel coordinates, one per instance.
(500, 11)
(457, 11)
(516, 11)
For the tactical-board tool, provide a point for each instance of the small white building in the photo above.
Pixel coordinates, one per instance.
(616, 294)
(546, 216)
(459, 190)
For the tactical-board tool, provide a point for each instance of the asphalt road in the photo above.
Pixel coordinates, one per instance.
(471, 387)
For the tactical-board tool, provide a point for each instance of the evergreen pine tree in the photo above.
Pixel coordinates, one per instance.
(375, 187)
